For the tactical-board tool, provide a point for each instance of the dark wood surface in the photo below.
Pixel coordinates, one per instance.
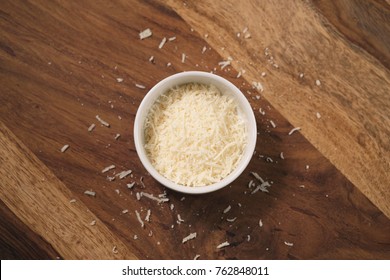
(59, 64)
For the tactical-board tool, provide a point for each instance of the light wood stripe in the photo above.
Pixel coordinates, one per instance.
(354, 128)
(41, 201)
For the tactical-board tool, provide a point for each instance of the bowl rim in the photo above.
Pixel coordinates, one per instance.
(153, 94)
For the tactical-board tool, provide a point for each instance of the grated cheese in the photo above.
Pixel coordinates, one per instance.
(151, 59)
(189, 237)
(262, 187)
(272, 123)
(139, 218)
(152, 197)
(318, 115)
(119, 80)
(260, 223)
(64, 148)
(147, 218)
(108, 168)
(117, 136)
(183, 57)
(91, 127)
(163, 41)
(131, 185)
(318, 82)
(289, 243)
(172, 39)
(92, 223)
(231, 220)
(257, 176)
(102, 121)
(204, 49)
(227, 209)
(293, 130)
(179, 219)
(196, 257)
(124, 174)
(224, 244)
(90, 193)
(145, 34)
(258, 86)
(140, 86)
(194, 135)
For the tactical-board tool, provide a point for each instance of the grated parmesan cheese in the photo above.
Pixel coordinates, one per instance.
(145, 34)
(179, 219)
(318, 82)
(147, 218)
(224, 244)
(262, 187)
(194, 135)
(163, 41)
(183, 57)
(258, 86)
(108, 168)
(139, 218)
(102, 121)
(91, 127)
(124, 174)
(152, 197)
(90, 193)
(293, 130)
(227, 209)
(318, 115)
(140, 86)
(189, 237)
(289, 243)
(64, 148)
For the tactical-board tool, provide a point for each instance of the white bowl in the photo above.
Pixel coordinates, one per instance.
(225, 87)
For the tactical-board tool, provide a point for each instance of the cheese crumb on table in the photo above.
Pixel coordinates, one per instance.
(145, 34)
(189, 237)
(106, 124)
(222, 245)
(91, 127)
(64, 148)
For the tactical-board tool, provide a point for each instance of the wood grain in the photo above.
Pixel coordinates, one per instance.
(352, 99)
(59, 64)
(39, 200)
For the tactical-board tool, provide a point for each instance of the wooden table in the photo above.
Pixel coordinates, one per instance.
(324, 67)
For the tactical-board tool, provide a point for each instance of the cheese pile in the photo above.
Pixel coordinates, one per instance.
(194, 135)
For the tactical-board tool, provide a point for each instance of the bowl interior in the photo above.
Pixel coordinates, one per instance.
(226, 88)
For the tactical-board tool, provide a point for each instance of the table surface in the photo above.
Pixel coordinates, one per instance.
(324, 67)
